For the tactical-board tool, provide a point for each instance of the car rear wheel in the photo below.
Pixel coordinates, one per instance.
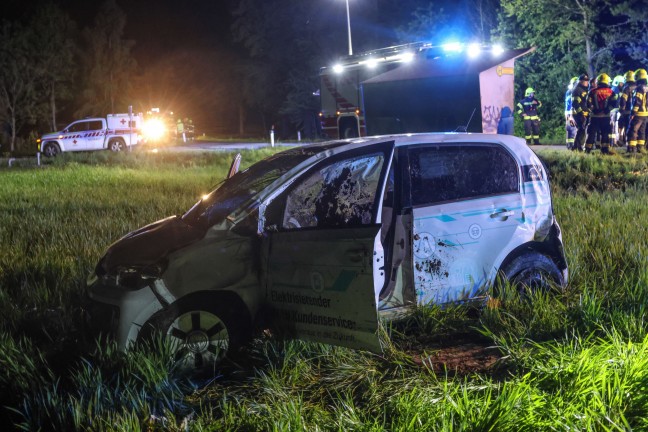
(200, 332)
(116, 145)
(51, 149)
(533, 272)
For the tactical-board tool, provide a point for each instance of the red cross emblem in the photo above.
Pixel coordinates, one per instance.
(74, 141)
(123, 122)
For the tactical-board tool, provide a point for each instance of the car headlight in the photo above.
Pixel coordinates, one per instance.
(153, 129)
(131, 278)
(134, 279)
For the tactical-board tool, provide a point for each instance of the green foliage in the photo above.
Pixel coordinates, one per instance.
(570, 37)
(579, 172)
(19, 75)
(107, 64)
(56, 50)
(281, 72)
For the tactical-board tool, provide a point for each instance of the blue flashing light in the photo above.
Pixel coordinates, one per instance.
(452, 47)
(407, 57)
(474, 50)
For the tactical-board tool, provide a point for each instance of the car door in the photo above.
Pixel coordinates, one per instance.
(94, 136)
(321, 234)
(466, 207)
(74, 138)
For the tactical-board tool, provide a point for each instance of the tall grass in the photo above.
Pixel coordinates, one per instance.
(575, 360)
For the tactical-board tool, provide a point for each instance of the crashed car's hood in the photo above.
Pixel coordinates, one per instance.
(148, 245)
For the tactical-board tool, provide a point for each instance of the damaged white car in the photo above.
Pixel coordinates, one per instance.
(326, 237)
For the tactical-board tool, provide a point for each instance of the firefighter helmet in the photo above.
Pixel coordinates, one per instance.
(603, 79)
(640, 74)
(618, 80)
(529, 91)
(573, 82)
(583, 77)
(629, 76)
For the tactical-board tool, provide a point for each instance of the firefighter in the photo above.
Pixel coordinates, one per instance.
(617, 88)
(180, 131)
(528, 109)
(190, 129)
(600, 103)
(638, 114)
(625, 100)
(580, 112)
(570, 125)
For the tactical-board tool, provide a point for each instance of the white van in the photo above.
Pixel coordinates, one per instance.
(326, 237)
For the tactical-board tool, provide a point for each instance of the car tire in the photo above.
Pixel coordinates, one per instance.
(202, 330)
(533, 272)
(116, 145)
(51, 149)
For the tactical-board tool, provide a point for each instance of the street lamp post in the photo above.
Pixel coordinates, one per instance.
(349, 27)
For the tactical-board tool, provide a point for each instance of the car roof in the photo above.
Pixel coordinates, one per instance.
(515, 144)
(445, 137)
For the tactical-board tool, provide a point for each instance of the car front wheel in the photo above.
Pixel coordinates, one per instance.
(200, 332)
(51, 149)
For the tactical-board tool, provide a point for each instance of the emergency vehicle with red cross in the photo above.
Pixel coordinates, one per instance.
(116, 132)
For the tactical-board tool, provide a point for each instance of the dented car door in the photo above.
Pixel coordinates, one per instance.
(466, 204)
(320, 236)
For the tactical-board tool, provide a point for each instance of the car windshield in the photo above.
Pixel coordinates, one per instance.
(240, 188)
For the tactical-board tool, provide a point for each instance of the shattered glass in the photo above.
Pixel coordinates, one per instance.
(341, 194)
(240, 188)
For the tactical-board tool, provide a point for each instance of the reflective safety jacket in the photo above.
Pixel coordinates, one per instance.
(568, 102)
(618, 89)
(625, 98)
(579, 101)
(601, 101)
(639, 101)
(528, 108)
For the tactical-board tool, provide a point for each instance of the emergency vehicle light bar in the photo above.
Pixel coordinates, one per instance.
(407, 52)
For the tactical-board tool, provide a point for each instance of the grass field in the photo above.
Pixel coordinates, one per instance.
(577, 360)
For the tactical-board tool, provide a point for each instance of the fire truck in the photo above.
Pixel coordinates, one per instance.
(418, 87)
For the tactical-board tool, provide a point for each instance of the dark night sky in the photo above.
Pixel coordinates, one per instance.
(165, 25)
(156, 26)
(161, 26)
(166, 30)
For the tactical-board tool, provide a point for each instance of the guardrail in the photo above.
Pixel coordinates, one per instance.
(12, 160)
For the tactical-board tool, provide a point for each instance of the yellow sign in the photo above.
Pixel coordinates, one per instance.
(504, 71)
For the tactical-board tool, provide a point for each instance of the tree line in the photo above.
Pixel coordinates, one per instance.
(52, 70)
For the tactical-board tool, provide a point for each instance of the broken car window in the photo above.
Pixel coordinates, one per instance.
(450, 173)
(237, 190)
(340, 194)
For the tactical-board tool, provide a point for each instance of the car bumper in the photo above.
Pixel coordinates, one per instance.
(118, 312)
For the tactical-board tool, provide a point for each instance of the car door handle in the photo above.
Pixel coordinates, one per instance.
(502, 214)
